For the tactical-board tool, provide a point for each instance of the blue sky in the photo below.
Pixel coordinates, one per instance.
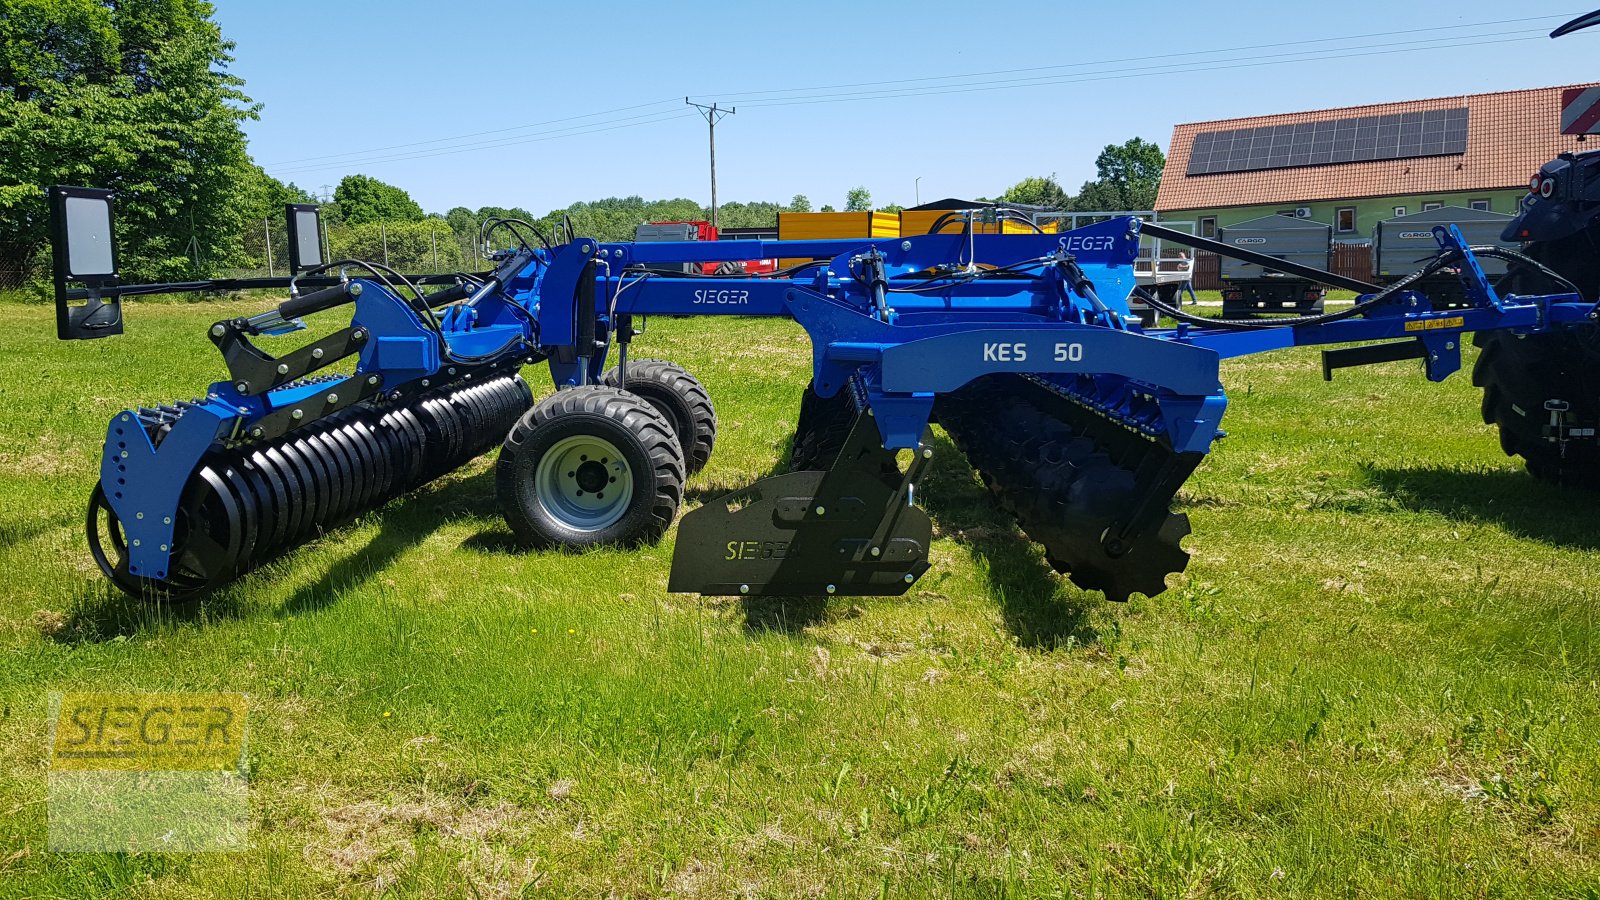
(540, 104)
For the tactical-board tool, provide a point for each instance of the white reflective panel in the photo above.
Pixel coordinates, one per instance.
(88, 236)
(306, 237)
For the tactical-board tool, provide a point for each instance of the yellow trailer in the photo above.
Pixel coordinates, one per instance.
(921, 221)
(814, 226)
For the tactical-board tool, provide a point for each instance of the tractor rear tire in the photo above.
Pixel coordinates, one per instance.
(678, 396)
(1520, 373)
(565, 454)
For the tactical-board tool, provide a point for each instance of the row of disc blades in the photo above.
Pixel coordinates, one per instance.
(1064, 487)
(244, 506)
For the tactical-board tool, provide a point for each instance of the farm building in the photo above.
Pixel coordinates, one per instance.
(1351, 167)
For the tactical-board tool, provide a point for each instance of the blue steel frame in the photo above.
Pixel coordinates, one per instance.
(1053, 307)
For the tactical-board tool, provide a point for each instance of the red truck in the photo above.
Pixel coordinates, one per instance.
(701, 231)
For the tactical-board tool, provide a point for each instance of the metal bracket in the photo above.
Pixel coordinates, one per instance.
(255, 372)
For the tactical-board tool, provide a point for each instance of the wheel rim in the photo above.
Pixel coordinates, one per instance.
(584, 483)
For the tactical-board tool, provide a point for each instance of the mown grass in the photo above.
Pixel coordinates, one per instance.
(1378, 677)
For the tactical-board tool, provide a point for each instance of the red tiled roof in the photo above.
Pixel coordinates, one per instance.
(1510, 134)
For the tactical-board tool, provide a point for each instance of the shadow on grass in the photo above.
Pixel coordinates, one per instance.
(1515, 501)
(786, 615)
(1037, 605)
(105, 613)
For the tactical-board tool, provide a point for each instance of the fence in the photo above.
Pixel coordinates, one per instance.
(1349, 260)
(13, 277)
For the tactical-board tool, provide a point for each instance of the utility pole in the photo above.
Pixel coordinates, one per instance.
(713, 114)
(916, 186)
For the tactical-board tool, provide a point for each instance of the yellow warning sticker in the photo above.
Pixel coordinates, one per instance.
(164, 731)
(1434, 324)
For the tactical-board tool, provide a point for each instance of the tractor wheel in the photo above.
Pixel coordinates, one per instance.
(590, 465)
(1520, 374)
(820, 432)
(679, 397)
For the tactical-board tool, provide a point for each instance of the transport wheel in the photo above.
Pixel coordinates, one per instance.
(590, 465)
(679, 397)
(1520, 374)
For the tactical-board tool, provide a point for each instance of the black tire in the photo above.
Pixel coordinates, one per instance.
(1519, 373)
(820, 432)
(559, 425)
(678, 396)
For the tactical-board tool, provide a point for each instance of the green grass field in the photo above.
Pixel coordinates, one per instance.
(1377, 678)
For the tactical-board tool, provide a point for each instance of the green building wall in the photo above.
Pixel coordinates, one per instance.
(1369, 212)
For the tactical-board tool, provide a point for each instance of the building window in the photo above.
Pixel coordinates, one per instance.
(1482, 205)
(1399, 210)
(1208, 226)
(1286, 212)
(1432, 204)
(1344, 220)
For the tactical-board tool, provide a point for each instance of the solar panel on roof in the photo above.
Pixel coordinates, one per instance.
(1435, 132)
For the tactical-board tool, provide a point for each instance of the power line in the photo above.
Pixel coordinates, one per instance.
(798, 96)
(1148, 71)
(457, 137)
(1126, 59)
(509, 142)
(712, 115)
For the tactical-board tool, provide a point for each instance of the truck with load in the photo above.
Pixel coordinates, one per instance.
(1251, 288)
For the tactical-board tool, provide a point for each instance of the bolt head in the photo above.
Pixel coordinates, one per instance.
(242, 386)
(298, 414)
(333, 398)
(138, 515)
(124, 454)
(877, 551)
(905, 245)
(927, 454)
(424, 382)
(316, 353)
(218, 330)
(1449, 345)
(821, 511)
(372, 379)
(910, 578)
(283, 368)
(163, 548)
(832, 589)
(744, 588)
(358, 335)
(136, 542)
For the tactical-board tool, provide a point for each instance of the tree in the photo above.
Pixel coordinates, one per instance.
(799, 203)
(1127, 178)
(131, 95)
(858, 200)
(363, 199)
(1038, 191)
(826, 208)
(264, 214)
